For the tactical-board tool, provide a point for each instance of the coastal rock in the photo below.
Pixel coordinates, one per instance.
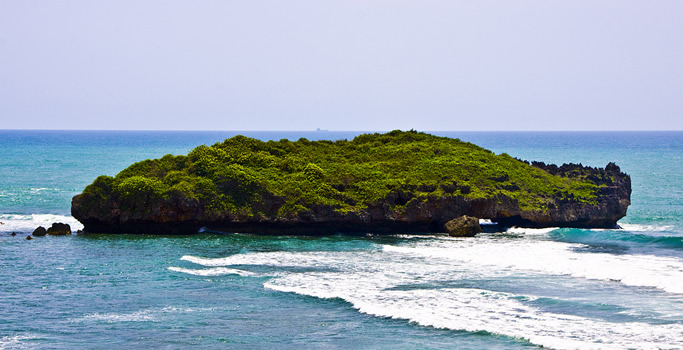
(613, 196)
(464, 226)
(14, 233)
(381, 183)
(40, 231)
(28, 238)
(59, 229)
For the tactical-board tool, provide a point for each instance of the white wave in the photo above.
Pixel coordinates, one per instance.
(558, 258)
(28, 223)
(476, 310)
(217, 271)
(281, 259)
(173, 309)
(646, 228)
(409, 235)
(146, 315)
(15, 342)
(372, 282)
(531, 231)
(40, 189)
(138, 316)
(504, 257)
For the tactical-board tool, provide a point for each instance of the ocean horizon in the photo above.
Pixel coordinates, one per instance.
(558, 288)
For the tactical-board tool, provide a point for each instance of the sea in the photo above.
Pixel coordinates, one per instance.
(556, 288)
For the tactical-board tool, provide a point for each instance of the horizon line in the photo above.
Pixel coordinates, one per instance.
(329, 130)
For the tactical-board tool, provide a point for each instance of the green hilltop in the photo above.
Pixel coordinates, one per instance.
(253, 178)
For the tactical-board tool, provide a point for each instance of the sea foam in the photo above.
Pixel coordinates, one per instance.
(27, 223)
(411, 282)
(558, 258)
(13, 342)
(483, 310)
(218, 271)
(144, 315)
(645, 228)
(531, 231)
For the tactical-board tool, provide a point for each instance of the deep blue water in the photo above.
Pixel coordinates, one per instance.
(559, 288)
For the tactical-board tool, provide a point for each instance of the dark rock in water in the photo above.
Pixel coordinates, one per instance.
(59, 229)
(464, 226)
(29, 238)
(40, 231)
(14, 233)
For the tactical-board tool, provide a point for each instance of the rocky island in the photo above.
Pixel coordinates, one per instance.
(383, 183)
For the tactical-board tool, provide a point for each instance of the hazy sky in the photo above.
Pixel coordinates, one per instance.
(341, 65)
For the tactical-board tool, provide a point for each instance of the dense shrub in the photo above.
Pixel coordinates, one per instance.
(241, 174)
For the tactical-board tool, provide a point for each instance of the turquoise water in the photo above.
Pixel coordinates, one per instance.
(524, 288)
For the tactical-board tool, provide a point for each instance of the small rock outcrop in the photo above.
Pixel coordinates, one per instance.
(28, 238)
(464, 226)
(59, 229)
(40, 231)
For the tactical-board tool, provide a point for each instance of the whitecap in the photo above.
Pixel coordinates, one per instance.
(645, 228)
(146, 315)
(174, 309)
(137, 316)
(531, 231)
(15, 342)
(28, 223)
(402, 282)
(217, 271)
(503, 257)
(477, 310)
(409, 235)
(40, 189)
(264, 259)
(557, 258)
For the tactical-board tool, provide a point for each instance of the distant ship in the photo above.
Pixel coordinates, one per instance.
(319, 129)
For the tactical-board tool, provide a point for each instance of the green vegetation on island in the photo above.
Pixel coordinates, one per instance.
(253, 178)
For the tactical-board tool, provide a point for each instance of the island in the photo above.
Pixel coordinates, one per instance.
(396, 182)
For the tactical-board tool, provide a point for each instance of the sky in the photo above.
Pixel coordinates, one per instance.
(341, 65)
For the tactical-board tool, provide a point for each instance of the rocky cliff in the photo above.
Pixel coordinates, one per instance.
(385, 183)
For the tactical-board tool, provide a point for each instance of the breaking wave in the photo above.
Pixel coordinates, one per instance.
(422, 282)
(27, 223)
